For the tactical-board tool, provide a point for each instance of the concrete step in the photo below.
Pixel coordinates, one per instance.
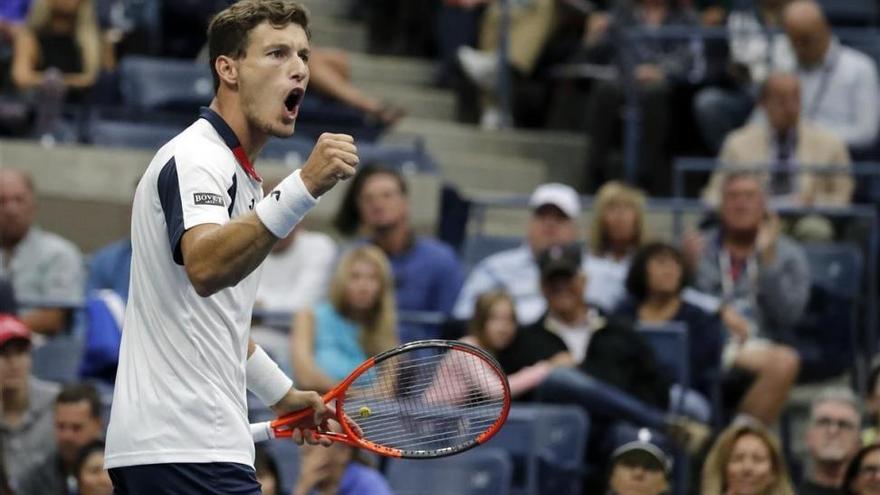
(326, 8)
(338, 33)
(563, 153)
(394, 70)
(476, 173)
(427, 103)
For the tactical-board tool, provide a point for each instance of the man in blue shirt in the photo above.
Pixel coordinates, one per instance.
(427, 272)
(110, 268)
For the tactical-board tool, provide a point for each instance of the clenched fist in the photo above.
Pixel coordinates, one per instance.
(333, 159)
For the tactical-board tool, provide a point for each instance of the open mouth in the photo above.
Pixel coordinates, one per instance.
(294, 98)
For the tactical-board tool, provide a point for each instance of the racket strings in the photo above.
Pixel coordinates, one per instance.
(426, 400)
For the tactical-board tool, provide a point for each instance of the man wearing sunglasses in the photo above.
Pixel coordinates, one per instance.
(832, 439)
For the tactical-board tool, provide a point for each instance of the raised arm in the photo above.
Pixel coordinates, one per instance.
(217, 256)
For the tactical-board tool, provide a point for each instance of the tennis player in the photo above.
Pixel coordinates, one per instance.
(200, 229)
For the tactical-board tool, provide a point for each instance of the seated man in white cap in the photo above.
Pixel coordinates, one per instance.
(556, 210)
(639, 467)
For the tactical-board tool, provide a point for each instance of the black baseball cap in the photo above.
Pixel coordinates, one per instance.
(563, 260)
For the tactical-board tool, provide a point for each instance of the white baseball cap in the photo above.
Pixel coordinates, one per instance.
(559, 195)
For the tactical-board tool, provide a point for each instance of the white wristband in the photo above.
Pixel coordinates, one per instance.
(285, 206)
(265, 379)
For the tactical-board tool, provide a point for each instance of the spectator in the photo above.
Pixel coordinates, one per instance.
(654, 67)
(493, 328)
(91, 477)
(556, 211)
(12, 15)
(832, 440)
(26, 426)
(616, 377)
(295, 278)
(357, 321)
(655, 283)
(331, 76)
(761, 274)
(639, 468)
(338, 469)
(427, 272)
(40, 265)
(617, 231)
(746, 459)
(297, 271)
(839, 84)
(754, 52)
(863, 473)
(110, 268)
(7, 298)
(788, 142)
(871, 433)
(531, 26)
(57, 56)
(77, 424)
(267, 471)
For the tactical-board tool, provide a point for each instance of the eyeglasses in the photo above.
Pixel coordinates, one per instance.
(842, 424)
(869, 470)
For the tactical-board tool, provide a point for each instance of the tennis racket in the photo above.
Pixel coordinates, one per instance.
(424, 399)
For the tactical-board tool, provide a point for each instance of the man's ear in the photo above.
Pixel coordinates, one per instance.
(227, 70)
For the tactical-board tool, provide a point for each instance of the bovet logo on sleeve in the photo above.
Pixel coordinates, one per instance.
(209, 199)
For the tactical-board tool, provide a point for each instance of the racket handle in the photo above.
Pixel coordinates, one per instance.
(262, 431)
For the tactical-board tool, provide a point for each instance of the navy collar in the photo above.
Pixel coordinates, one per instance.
(231, 140)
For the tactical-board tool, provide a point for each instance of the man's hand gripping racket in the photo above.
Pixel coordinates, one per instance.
(424, 399)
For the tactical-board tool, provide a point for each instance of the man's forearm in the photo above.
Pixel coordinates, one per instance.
(224, 255)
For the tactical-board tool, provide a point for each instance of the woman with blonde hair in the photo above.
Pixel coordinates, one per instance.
(746, 460)
(358, 321)
(617, 231)
(59, 34)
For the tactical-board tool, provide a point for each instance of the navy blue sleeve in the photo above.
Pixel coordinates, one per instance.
(169, 197)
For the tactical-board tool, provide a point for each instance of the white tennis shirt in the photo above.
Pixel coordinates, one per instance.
(180, 386)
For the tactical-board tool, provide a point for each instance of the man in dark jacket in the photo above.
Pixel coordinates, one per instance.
(614, 373)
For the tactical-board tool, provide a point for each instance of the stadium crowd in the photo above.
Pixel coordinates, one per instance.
(564, 312)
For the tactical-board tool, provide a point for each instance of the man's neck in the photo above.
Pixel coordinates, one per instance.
(251, 139)
(828, 474)
(576, 317)
(15, 402)
(740, 244)
(394, 240)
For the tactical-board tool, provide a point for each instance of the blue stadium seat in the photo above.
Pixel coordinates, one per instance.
(126, 134)
(161, 84)
(58, 359)
(835, 267)
(481, 471)
(405, 158)
(482, 246)
(850, 12)
(672, 352)
(293, 151)
(547, 445)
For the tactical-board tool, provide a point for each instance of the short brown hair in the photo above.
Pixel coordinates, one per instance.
(229, 30)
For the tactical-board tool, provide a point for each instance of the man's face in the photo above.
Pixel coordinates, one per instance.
(549, 226)
(382, 203)
(74, 428)
(632, 478)
(742, 204)
(808, 36)
(782, 102)
(15, 365)
(17, 207)
(833, 432)
(564, 293)
(272, 77)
